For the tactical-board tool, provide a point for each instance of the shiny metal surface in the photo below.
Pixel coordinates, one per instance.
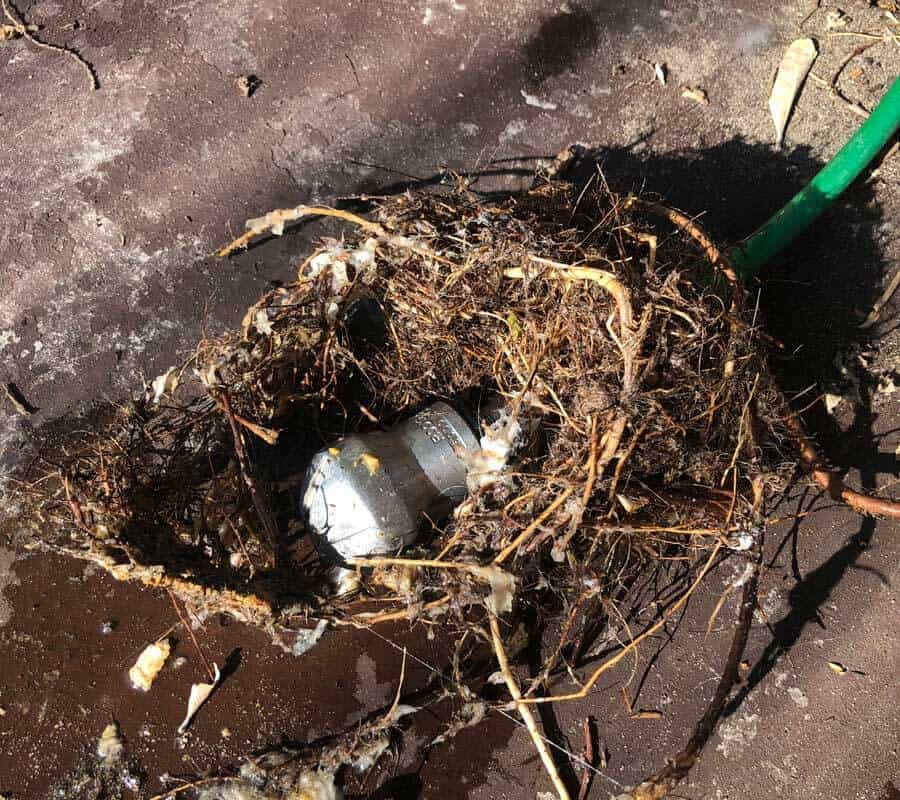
(371, 493)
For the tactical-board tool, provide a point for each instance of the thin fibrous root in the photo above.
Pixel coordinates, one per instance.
(632, 645)
(658, 785)
(525, 712)
(26, 32)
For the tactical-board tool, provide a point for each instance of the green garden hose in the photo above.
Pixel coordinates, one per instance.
(809, 203)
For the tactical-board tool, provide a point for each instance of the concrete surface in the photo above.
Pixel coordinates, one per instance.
(112, 200)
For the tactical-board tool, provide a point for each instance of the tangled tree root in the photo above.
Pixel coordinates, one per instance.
(641, 424)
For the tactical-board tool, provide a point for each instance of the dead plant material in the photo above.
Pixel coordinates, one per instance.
(16, 28)
(634, 384)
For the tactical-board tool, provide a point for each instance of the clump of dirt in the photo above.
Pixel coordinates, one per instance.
(639, 424)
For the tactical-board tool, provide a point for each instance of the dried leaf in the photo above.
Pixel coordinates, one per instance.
(837, 668)
(792, 71)
(696, 94)
(200, 693)
(148, 665)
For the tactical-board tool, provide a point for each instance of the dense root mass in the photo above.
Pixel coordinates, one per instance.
(638, 412)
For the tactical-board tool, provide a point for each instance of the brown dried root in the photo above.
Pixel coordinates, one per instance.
(677, 768)
(831, 482)
(625, 378)
(525, 712)
(17, 27)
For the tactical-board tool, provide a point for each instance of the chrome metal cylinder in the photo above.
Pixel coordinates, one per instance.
(372, 493)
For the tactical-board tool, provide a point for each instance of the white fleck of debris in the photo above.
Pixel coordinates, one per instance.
(545, 796)
(796, 694)
(429, 15)
(659, 70)
(503, 588)
(110, 746)
(307, 639)
(469, 128)
(148, 665)
(164, 384)
(262, 323)
(743, 541)
(8, 337)
(780, 678)
(513, 129)
(534, 100)
(736, 734)
(179, 662)
(487, 466)
(200, 693)
(744, 576)
(835, 19)
(832, 401)
(665, 13)
(886, 385)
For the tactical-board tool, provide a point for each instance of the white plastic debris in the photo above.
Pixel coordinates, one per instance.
(110, 747)
(148, 665)
(200, 693)
(660, 72)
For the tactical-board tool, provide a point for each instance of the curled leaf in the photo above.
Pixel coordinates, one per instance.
(792, 71)
(200, 693)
